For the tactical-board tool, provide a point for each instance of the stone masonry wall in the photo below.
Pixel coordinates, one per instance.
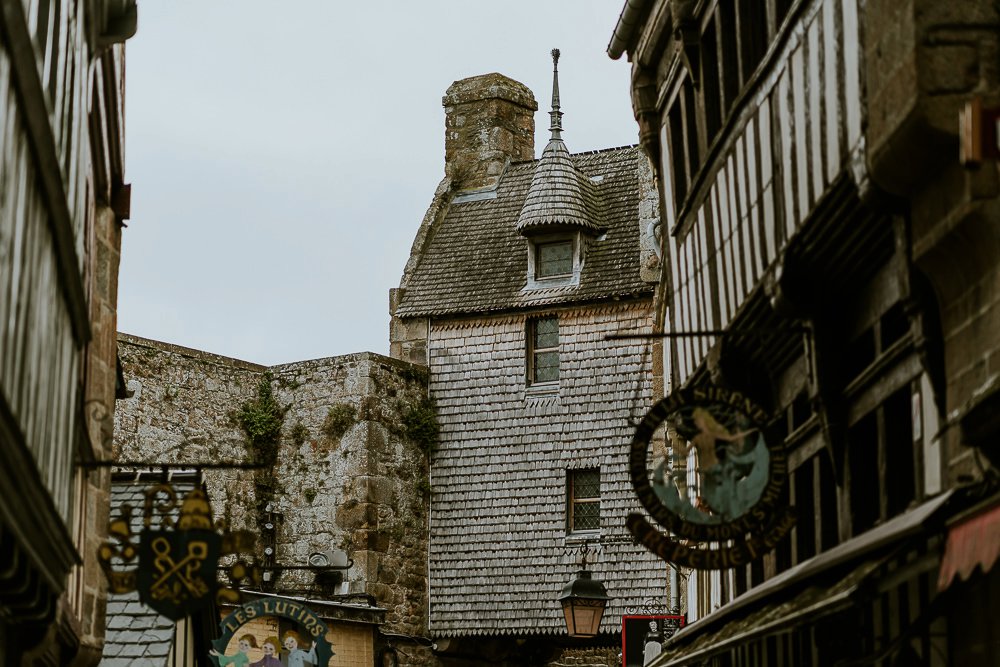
(87, 584)
(587, 657)
(360, 487)
(932, 58)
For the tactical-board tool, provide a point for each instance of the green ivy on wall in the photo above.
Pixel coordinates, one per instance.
(421, 426)
(339, 419)
(261, 419)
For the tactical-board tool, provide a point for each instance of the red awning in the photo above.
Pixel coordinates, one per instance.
(972, 542)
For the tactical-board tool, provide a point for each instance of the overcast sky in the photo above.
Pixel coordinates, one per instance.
(282, 155)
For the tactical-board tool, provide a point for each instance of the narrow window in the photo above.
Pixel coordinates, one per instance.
(584, 490)
(691, 129)
(805, 508)
(753, 36)
(829, 529)
(862, 464)
(544, 354)
(710, 84)
(728, 55)
(900, 466)
(677, 159)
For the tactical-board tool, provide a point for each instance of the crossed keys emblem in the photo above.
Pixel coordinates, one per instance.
(174, 566)
(180, 570)
(178, 581)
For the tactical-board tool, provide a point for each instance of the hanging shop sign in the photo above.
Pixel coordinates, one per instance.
(305, 643)
(643, 636)
(721, 500)
(173, 560)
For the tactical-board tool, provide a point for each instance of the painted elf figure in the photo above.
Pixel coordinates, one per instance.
(296, 656)
(270, 658)
(241, 659)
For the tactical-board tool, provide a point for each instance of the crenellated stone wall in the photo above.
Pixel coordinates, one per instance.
(355, 482)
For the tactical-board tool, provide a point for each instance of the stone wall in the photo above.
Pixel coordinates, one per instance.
(587, 657)
(356, 482)
(87, 586)
(920, 72)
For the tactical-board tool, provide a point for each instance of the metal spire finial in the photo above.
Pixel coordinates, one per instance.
(555, 126)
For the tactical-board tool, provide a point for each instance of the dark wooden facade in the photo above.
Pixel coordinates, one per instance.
(62, 200)
(807, 157)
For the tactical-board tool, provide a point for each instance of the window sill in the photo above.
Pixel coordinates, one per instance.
(572, 280)
(541, 389)
(583, 537)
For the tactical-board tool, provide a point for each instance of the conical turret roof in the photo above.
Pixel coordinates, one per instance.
(561, 196)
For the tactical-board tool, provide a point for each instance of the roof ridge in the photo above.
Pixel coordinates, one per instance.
(590, 152)
(604, 150)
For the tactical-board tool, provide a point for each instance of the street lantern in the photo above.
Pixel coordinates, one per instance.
(583, 601)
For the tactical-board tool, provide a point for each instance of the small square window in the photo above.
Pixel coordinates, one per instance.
(543, 357)
(584, 495)
(554, 259)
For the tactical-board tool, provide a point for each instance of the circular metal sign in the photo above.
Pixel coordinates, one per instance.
(729, 493)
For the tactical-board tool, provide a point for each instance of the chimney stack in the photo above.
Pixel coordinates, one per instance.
(489, 120)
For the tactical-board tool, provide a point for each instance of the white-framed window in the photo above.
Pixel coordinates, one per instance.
(554, 260)
(543, 350)
(583, 500)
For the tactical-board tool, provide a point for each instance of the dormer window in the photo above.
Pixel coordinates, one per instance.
(554, 259)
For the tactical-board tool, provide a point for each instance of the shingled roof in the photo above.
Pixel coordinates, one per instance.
(560, 195)
(476, 260)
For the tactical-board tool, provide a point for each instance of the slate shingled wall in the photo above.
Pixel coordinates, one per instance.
(499, 552)
(360, 492)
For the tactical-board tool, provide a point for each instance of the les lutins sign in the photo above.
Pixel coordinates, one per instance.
(311, 631)
(721, 499)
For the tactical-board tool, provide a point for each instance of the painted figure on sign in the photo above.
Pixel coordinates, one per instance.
(241, 659)
(270, 658)
(732, 471)
(652, 643)
(296, 656)
(710, 431)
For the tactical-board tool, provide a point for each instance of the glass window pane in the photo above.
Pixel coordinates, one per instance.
(544, 341)
(546, 366)
(547, 325)
(587, 484)
(554, 259)
(546, 333)
(587, 516)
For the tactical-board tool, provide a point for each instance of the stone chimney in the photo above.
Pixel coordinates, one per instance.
(489, 121)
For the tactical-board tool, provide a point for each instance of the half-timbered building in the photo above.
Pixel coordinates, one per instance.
(829, 256)
(62, 201)
(521, 270)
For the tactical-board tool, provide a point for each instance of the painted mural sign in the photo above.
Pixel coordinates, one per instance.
(301, 643)
(721, 501)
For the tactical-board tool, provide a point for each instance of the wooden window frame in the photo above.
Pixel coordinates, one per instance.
(533, 351)
(572, 501)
